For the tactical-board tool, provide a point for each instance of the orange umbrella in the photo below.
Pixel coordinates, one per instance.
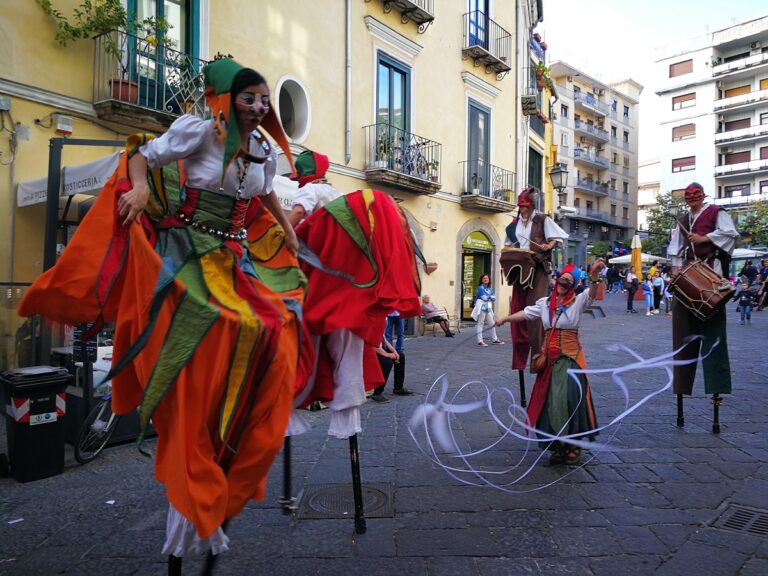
(637, 254)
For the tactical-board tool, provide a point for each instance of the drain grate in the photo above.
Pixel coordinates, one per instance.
(743, 519)
(338, 501)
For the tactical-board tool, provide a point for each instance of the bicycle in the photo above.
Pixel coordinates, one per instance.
(411, 161)
(97, 429)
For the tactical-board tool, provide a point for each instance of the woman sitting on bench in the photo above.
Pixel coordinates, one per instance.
(434, 315)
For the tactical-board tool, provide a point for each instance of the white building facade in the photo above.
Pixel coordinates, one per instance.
(714, 128)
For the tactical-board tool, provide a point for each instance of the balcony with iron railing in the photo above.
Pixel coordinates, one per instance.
(752, 61)
(420, 12)
(591, 131)
(741, 168)
(742, 134)
(590, 214)
(590, 103)
(742, 101)
(591, 187)
(741, 199)
(140, 83)
(487, 44)
(402, 159)
(589, 158)
(487, 188)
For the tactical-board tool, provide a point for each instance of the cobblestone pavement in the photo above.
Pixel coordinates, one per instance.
(649, 508)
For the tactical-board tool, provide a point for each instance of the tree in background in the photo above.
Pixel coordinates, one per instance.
(752, 224)
(660, 223)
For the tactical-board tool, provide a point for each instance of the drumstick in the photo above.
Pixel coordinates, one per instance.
(542, 246)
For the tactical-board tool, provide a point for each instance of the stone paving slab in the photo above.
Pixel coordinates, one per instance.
(645, 508)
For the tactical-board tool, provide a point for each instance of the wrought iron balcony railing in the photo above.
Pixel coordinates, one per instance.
(586, 156)
(484, 179)
(141, 72)
(487, 43)
(392, 148)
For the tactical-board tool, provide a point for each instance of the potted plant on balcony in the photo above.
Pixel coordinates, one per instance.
(94, 18)
(434, 175)
(477, 182)
(542, 72)
(383, 149)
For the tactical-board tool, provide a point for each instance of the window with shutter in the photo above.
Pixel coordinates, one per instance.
(683, 132)
(680, 68)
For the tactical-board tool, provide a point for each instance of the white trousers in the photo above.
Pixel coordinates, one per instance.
(485, 319)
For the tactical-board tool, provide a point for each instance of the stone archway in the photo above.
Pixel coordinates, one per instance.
(484, 226)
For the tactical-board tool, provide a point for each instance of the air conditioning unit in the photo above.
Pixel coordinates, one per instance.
(727, 149)
(721, 118)
(569, 78)
(755, 45)
(583, 139)
(600, 92)
(721, 85)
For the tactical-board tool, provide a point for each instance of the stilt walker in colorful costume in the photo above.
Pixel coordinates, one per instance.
(531, 237)
(205, 290)
(364, 238)
(559, 405)
(705, 234)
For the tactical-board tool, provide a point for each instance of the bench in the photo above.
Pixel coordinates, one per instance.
(454, 324)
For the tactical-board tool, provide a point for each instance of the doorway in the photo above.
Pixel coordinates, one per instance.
(476, 251)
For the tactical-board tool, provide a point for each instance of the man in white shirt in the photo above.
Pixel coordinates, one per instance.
(531, 230)
(706, 233)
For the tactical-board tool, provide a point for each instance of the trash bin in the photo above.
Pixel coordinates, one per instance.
(34, 401)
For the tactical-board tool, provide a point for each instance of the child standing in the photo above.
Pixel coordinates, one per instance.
(746, 299)
(648, 294)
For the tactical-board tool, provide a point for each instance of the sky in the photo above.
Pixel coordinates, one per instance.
(614, 40)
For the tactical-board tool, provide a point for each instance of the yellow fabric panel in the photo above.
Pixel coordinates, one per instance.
(217, 267)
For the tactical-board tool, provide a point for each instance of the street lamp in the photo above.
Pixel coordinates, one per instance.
(559, 176)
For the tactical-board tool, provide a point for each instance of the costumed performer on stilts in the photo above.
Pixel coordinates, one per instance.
(363, 237)
(204, 288)
(559, 405)
(537, 232)
(705, 233)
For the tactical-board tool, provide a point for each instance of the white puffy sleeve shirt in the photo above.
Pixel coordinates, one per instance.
(570, 319)
(551, 232)
(193, 140)
(314, 196)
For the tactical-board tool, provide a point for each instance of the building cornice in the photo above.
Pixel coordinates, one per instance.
(386, 34)
(480, 85)
(46, 97)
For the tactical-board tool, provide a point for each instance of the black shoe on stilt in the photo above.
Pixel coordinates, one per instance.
(174, 565)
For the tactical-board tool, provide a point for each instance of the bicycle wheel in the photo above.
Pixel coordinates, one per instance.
(96, 431)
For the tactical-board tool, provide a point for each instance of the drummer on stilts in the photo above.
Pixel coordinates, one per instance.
(537, 232)
(705, 233)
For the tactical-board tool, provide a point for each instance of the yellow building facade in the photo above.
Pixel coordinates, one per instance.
(419, 99)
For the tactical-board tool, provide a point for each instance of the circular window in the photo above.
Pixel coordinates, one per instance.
(293, 108)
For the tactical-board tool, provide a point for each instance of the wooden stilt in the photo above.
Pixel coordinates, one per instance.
(357, 487)
(174, 565)
(716, 401)
(521, 375)
(210, 558)
(680, 418)
(288, 502)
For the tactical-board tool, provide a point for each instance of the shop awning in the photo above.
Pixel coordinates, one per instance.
(83, 179)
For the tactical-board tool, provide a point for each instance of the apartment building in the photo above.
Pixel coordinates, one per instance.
(647, 190)
(596, 134)
(715, 122)
(420, 99)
